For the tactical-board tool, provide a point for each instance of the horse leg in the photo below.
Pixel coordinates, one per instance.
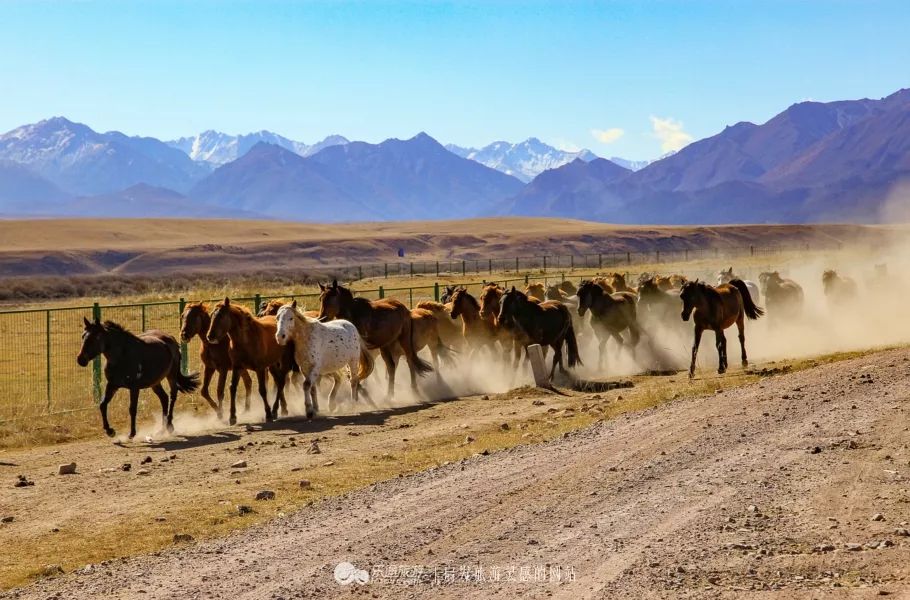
(261, 379)
(222, 379)
(134, 407)
(280, 376)
(354, 365)
(313, 378)
(390, 367)
(721, 342)
(307, 403)
(557, 359)
(248, 384)
(698, 332)
(235, 379)
(336, 385)
(207, 374)
(741, 326)
(162, 396)
(109, 392)
(602, 351)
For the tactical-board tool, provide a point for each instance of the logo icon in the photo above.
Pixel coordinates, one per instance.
(346, 574)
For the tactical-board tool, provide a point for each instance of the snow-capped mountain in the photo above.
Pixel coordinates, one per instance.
(80, 160)
(525, 160)
(219, 148)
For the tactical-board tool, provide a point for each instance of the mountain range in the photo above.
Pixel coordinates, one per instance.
(812, 162)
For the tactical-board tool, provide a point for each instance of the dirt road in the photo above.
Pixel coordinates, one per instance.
(794, 487)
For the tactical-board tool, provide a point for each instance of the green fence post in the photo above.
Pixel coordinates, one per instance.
(463, 268)
(385, 270)
(544, 264)
(526, 279)
(628, 258)
(96, 364)
(436, 290)
(437, 268)
(184, 351)
(143, 317)
(257, 300)
(412, 269)
(359, 271)
(600, 261)
(658, 256)
(751, 250)
(572, 261)
(381, 293)
(47, 358)
(687, 254)
(411, 297)
(491, 266)
(516, 264)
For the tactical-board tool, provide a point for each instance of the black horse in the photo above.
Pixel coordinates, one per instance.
(545, 323)
(611, 314)
(136, 362)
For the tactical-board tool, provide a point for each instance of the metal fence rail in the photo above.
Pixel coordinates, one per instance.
(39, 375)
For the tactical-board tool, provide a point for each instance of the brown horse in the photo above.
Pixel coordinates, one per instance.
(568, 287)
(479, 331)
(604, 284)
(611, 314)
(536, 290)
(783, 297)
(252, 346)
(427, 334)
(381, 323)
(490, 304)
(839, 289)
(449, 330)
(717, 308)
(216, 358)
(662, 305)
(546, 323)
(270, 308)
(555, 292)
(617, 281)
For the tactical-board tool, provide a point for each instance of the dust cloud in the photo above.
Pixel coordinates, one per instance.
(876, 317)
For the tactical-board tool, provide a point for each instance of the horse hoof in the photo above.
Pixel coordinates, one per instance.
(232, 420)
(170, 428)
(110, 432)
(310, 415)
(132, 435)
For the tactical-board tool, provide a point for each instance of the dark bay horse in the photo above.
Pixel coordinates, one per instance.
(545, 323)
(136, 362)
(383, 324)
(251, 346)
(611, 314)
(783, 297)
(662, 305)
(839, 289)
(216, 358)
(717, 308)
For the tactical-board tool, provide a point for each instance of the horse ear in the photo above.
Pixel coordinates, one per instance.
(294, 303)
(321, 287)
(513, 288)
(227, 301)
(86, 321)
(334, 283)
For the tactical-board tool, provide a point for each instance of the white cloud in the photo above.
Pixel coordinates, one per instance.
(670, 133)
(607, 136)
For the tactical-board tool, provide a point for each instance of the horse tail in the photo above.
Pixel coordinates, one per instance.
(366, 361)
(186, 383)
(752, 311)
(446, 353)
(572, 347)
(421, 366)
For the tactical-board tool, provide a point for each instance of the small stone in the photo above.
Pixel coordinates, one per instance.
(244, 509)
(305, 484)
(533, 542)
(853, 547)
(902, 532)
(240, 464)
(51, 570)
(878, 517)
(126, 467)
(7, 519)
(328, 463)
(248, 428)
(143, 472)
(815, 450)
(23, 481)
(538, 403)
(265, 495)
(314, 448)
(468, 439)
(145, 460)
(182, 538)
(67, 469)
(160, 519)
(752, 508)
(504, 426)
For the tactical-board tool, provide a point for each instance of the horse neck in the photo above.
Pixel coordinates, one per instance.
(116, 344)
(303, 329)
(241, 324)
(205, 321)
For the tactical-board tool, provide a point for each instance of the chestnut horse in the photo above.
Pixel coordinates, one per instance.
(251, 345)
(194, 321)
(717, 308)
(480, 331)
(545, 323)
(536, 290)
(383, 324)
(449, 331)
(490, 304)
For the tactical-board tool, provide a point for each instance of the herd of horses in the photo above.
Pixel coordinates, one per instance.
(347, 332)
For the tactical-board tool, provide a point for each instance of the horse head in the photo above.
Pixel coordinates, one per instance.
(221, 322)
(92, 341)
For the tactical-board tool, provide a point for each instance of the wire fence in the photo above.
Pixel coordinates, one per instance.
(39, 376)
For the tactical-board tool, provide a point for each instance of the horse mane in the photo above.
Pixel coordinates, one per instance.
(116, 328)
(591, 285)
(431, 305)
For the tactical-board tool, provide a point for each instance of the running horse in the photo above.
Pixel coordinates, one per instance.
(717, 308)
(252, 346)
(135, 362)
(383, 324)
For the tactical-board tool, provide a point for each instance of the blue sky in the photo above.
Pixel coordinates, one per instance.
(624, 78)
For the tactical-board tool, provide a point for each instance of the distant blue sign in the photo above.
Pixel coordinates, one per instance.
(400, 252)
